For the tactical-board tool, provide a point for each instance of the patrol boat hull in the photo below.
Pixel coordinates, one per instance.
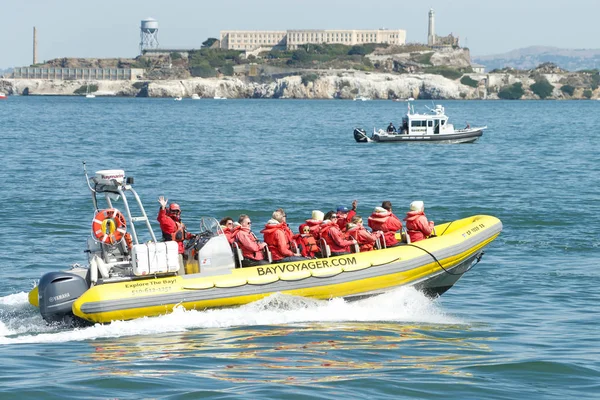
(462, 136)
(433, 265)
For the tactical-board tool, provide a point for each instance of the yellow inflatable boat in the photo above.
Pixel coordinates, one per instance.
(131, 280)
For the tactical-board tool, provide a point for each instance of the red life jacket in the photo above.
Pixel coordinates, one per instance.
(308, 244)
(388, 223)
(315, 227)
(365, 239)
(179, 234)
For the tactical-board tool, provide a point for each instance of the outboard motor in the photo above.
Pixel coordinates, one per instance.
(57, 291)
(360, 135)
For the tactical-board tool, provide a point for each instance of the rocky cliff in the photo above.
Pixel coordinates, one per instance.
(311, 85)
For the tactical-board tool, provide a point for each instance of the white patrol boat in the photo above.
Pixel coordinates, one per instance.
(432, 127)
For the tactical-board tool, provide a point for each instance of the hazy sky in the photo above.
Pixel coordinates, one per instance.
(110, 28)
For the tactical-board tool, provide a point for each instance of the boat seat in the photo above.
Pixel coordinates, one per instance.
(294, 247)
(405, 236)
(268, 254)
(380, 243)
(325, 250)
(237, 254)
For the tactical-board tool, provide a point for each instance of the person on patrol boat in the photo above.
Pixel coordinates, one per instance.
(416, 222)
(391, 128)
(382, 219)
(366, 240)
(252, 248)
(170, 223)
(278, 240)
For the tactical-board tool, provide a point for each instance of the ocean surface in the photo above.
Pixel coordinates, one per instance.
(523, 324)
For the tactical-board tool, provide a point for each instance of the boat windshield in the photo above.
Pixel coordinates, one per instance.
(209, 225)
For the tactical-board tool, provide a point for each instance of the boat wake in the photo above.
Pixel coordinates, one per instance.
(21, 323)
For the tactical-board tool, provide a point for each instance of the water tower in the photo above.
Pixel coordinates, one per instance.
(148, 34)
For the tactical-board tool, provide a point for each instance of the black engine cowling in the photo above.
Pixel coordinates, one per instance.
(57, 291)
(360, 135)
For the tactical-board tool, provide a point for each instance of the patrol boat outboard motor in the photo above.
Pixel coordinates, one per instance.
(56, 293)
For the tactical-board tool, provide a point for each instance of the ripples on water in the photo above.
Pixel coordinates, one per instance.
(521, 324)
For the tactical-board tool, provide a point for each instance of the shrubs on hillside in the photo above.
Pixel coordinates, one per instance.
(203, 70)
(467, 80)
(542, 87)
(309, 78)
(84, 89)
(512, 92)
(422, 58)
(226, 69)
(446, 72)
(568, 89)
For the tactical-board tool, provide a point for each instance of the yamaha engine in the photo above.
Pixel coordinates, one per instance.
(57, 291)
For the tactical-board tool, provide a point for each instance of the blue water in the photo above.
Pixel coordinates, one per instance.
(522, 324)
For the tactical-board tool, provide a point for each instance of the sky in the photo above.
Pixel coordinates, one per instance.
(111, 28)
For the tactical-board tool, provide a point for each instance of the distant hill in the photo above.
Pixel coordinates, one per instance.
(5, 71)
(531, 57)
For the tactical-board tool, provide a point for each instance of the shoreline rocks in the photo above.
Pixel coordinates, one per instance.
(313, 84)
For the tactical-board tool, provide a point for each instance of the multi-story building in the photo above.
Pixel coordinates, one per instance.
(252, 40)
(347, 37)
(291, 39)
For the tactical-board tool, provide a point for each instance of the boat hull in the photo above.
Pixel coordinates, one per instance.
(463, 136)
(431, 265)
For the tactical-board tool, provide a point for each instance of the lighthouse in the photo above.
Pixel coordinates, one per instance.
(431, 30)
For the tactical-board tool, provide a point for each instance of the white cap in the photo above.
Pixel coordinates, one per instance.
(379, 210)
(318, 215)
(417, 205)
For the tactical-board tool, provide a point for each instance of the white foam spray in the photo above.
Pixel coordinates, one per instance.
(23, 324)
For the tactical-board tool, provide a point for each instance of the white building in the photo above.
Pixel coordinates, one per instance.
(291, 39)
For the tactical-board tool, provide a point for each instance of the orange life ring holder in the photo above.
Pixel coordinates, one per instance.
(109, 226)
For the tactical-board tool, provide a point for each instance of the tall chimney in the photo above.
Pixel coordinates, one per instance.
(34, 46)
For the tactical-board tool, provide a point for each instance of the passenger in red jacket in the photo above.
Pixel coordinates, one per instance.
(314, 223)
(170, 223)
(286, 227)
(307, 243)
(366, 240)
(277, 239)
(227, 227)
(382, 219)
(334, 236)
(416, 222)
(345, 216)
(252, 248)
